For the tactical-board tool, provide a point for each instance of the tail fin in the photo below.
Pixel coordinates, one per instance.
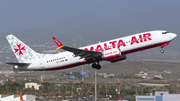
(119, 96)
(23, 53)
(21, 99)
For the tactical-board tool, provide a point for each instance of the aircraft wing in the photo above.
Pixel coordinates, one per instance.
(78, 52)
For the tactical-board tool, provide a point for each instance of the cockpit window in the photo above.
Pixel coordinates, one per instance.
(165, 32)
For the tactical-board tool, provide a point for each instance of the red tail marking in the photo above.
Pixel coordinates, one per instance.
(21, 99)
(119, 97)
(19, 49)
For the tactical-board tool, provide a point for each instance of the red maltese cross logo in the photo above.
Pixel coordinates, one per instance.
(19, 49)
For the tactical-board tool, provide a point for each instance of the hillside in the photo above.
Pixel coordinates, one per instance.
(133, 67)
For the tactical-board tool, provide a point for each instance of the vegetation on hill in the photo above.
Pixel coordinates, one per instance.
(85, 90)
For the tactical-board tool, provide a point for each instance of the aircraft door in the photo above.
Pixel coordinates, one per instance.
(155, 36)
(41, 64)
(69, 56)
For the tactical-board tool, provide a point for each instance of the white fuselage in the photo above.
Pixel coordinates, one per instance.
(128, 44)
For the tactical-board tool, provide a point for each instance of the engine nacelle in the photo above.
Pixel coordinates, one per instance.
(111, 54)
(119, 59)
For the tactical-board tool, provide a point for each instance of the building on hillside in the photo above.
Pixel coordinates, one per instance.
(142, 74)
(30, 85)
(154, 84)
(22, 76)
(159, 96)
(149, 75)
(167, 71)
(157, 77)
(2, 82)
(7, 72)
(101, 74)
(13, 80)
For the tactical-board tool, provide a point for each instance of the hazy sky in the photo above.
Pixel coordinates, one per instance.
(20, 15)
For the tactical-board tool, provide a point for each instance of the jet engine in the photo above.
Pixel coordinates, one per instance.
(119, 59)
(111, 54)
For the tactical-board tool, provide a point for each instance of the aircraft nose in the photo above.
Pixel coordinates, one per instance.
(173, 35)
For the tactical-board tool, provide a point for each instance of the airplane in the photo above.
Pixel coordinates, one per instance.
(113, 51)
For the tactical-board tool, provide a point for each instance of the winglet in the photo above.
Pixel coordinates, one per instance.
(60, 45)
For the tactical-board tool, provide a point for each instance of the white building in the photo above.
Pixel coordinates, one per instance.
(30, 85)
(159, 96)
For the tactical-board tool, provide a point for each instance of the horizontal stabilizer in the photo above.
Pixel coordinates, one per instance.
(18, 64)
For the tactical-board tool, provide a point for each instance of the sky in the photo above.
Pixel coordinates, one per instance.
(21, 15)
